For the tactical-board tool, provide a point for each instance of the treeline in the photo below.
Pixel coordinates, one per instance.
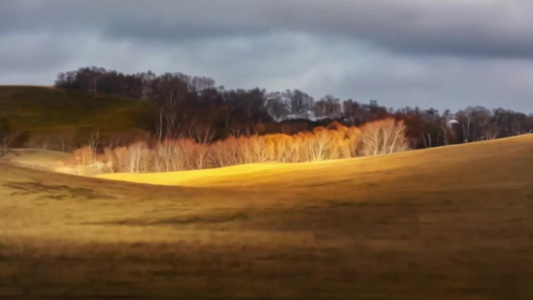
(195, 108)
(323, 143)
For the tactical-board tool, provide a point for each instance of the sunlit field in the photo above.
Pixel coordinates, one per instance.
(451, 222)
(260, 149)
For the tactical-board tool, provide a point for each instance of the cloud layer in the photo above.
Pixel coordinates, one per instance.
(443, 54)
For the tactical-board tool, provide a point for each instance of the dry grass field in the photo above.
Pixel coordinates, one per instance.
(38, 158)
(445, 223)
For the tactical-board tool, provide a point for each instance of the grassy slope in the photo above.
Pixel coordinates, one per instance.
(46, 110)
(450, 162)
(38, 158)
(446, 223)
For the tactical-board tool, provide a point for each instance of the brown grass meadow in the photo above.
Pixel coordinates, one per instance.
(445, 223)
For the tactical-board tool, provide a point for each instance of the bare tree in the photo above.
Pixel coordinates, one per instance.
(201, 132)
(7, 140)
(169, 90)
(277, 109)
(383, 137)
(328, 106)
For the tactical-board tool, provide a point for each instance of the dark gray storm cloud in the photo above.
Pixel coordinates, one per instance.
(428, 53)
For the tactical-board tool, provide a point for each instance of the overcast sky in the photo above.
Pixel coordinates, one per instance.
(443, 54)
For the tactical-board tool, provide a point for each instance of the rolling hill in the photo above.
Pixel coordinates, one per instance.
(445, 223)
(46, 111)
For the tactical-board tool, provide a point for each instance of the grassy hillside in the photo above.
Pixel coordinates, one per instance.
(38, 158)
(477, 161)
(446, 223)
(43, 110)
